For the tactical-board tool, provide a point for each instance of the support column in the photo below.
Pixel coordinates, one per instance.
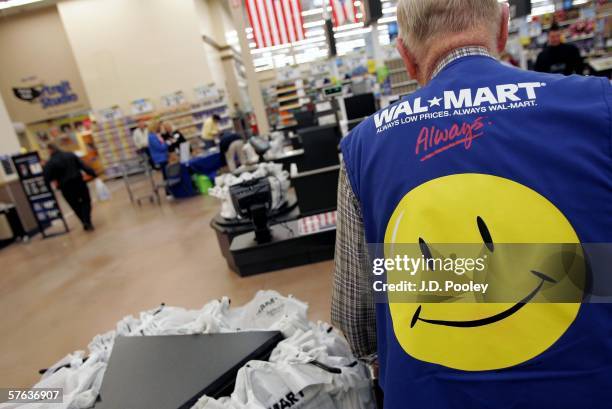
(237, 8)
(9, 143)
(376, 52)
(229, 58)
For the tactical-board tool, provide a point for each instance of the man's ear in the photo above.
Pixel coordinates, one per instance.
(408, 58)
(502, 36)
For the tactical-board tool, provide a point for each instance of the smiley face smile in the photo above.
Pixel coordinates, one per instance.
(489, 320)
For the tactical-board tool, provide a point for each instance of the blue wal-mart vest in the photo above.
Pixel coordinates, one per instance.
(550, 135)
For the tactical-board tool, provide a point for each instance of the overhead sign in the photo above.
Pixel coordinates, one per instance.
(142, 106)
(174, 99)
(206, 92)
(110, 114)
(47, 95)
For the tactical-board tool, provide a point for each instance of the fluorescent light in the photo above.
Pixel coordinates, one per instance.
(268, 49)
(285, 46)
(311, 46)
(353, 32)
(312, 12)
(389, 10)
(315, 33)
(390, 19)
(310, 40)
(317, 23)
(15, 3)
(348, 27)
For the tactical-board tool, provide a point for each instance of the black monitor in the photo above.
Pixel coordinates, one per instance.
(253, 200)
(360, 106)
(174, 371)
(320, 144)
(304, 119)
(317, 190)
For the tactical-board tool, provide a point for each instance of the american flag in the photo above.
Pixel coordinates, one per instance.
(344, 12)
(275, 22)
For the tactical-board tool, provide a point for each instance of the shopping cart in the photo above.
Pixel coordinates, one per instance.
(139, 180)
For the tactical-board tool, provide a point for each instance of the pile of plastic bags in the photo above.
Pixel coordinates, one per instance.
(312, 368)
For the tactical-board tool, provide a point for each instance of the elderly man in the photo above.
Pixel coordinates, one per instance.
(485, 154)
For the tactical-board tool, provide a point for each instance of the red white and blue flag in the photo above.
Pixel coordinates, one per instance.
(275, 22)
(344, 12)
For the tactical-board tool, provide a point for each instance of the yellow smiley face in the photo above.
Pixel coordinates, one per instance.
(489, 210)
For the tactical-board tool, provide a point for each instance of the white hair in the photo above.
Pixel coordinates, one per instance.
(420, 21)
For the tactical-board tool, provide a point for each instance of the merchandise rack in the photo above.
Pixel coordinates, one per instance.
(400, 82)
(114, 142)
(285, 97)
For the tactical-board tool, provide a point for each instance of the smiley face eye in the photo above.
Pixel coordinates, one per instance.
(425, 251)
(485, 233)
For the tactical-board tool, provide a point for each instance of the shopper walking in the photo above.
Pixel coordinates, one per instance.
(65, 169)
(559, 57)
(210, 131)
(486, 154)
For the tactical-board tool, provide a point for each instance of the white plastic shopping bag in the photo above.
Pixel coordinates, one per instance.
(102, 190)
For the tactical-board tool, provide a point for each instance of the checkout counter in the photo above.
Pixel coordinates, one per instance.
(303, 231)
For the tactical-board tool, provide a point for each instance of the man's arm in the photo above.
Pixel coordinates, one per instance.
(86, 168)
(48, 172)
(353, 309)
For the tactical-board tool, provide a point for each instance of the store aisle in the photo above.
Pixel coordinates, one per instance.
(56, 294)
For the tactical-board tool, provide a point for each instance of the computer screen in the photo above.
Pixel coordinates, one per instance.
(360, 106)
(304, 119)
(320, 144)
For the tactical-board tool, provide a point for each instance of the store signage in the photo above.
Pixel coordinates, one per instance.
(333, 91)
(110, 114)
(174, 99)
(206, 92)
(142, 106)
(48, 96)
(40, 196)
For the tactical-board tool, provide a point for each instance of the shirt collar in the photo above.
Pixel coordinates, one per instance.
(457, 54)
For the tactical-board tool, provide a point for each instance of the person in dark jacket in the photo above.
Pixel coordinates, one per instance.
(559, 57)
(173, 137)
(65, 168)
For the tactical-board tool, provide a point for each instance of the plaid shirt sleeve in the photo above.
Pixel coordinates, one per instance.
(353, 309)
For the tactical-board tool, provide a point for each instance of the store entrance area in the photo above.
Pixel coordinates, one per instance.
(59, 293)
